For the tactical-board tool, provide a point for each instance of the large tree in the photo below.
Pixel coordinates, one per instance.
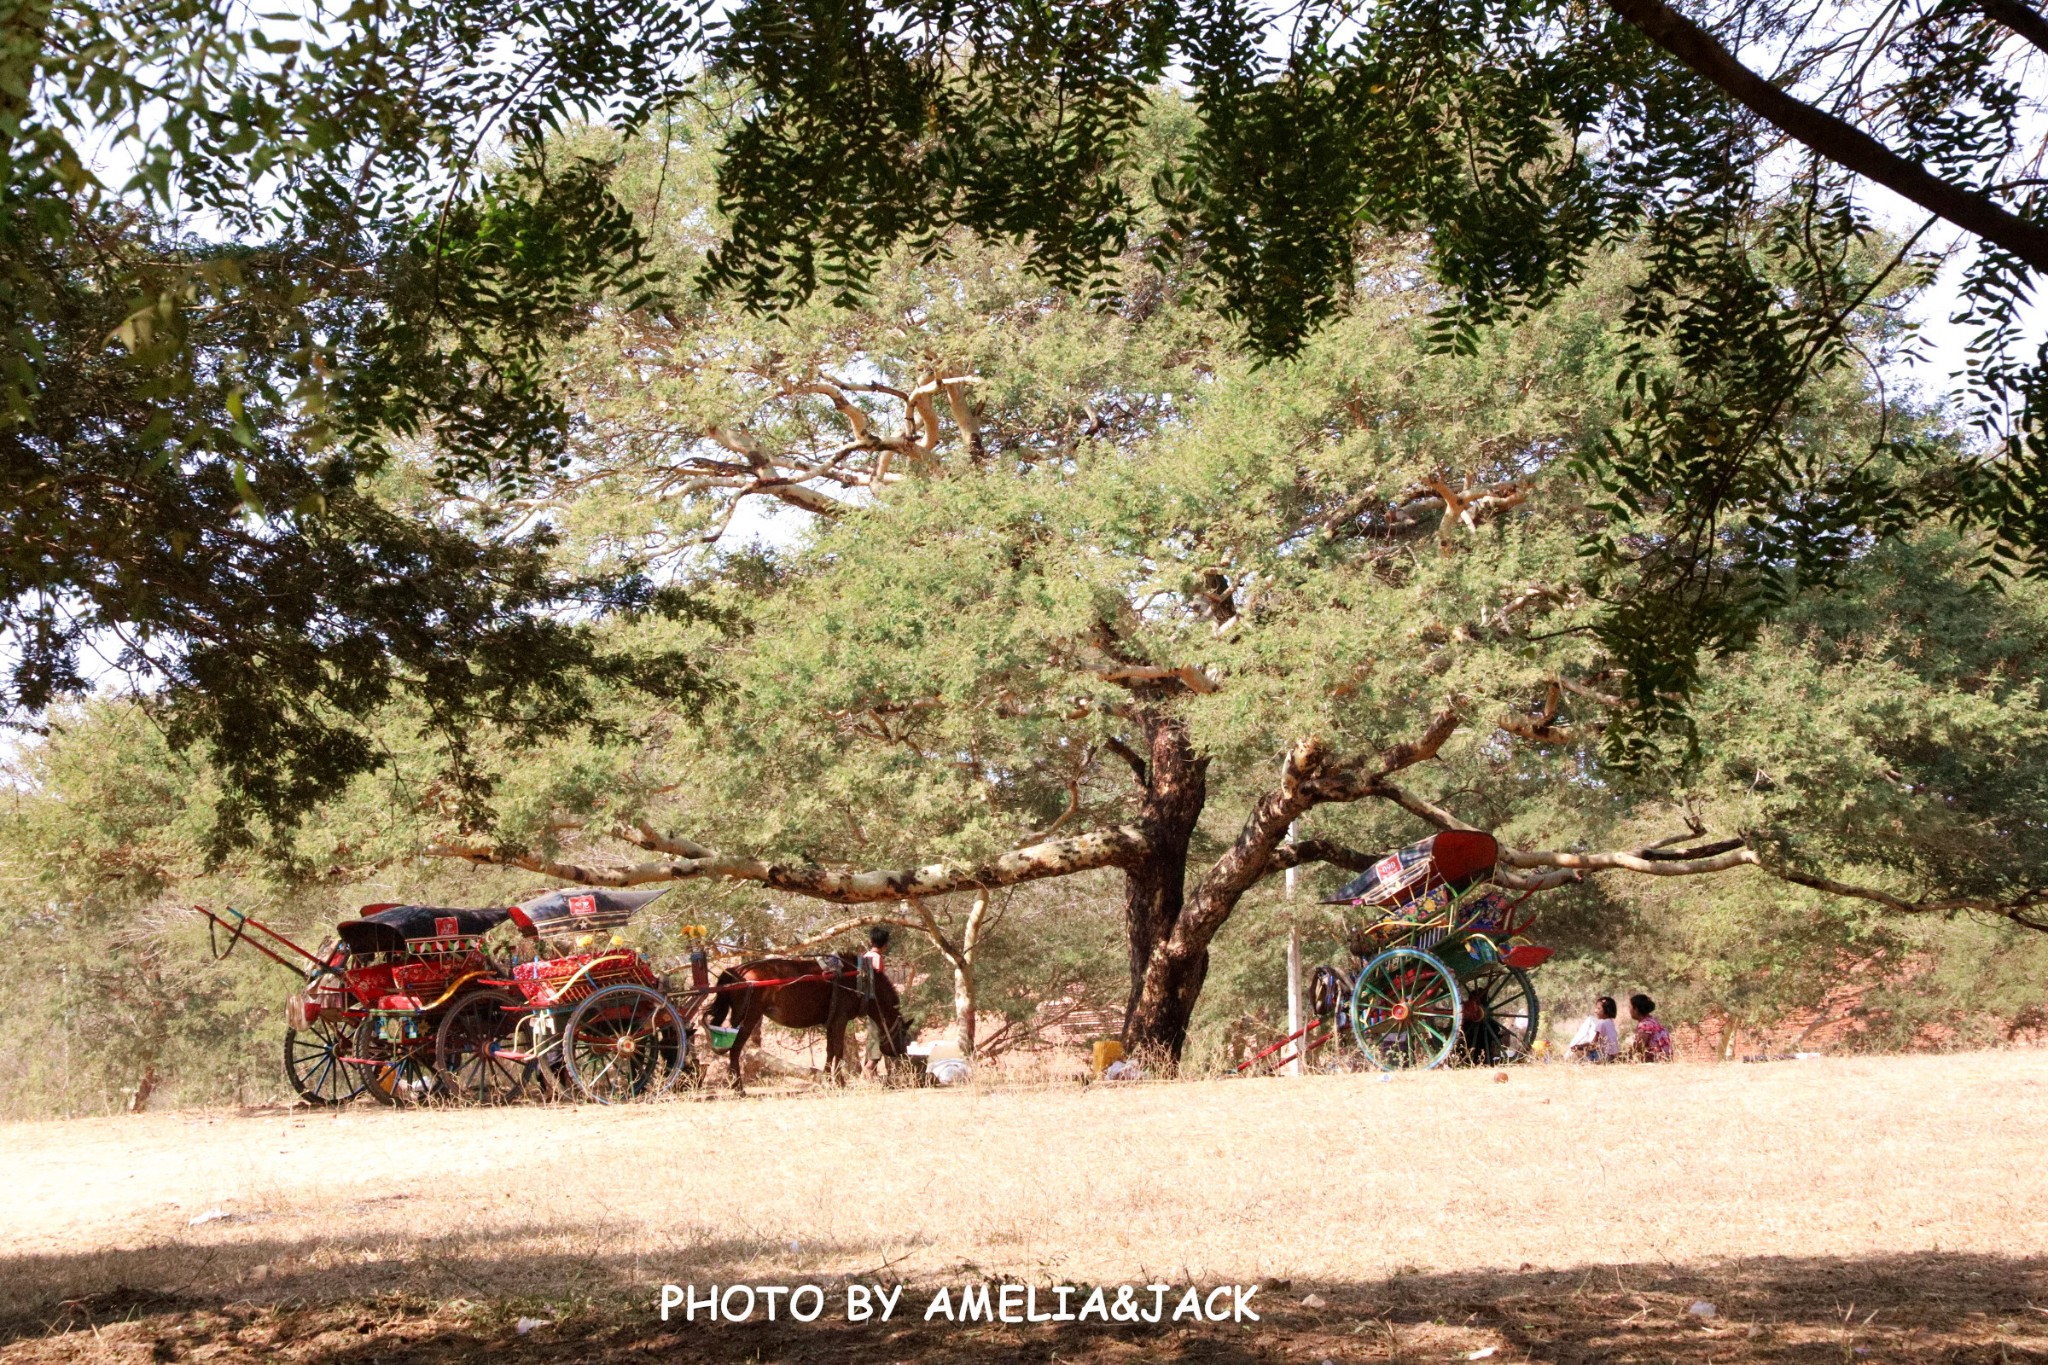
(1081, 602)
(1078, 592)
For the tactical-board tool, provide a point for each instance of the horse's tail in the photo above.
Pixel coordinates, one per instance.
(724, 1000)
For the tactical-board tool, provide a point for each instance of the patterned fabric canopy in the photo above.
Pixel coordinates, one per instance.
(581, 909)
(391, 928)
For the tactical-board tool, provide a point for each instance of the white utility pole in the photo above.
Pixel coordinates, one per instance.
(1294, 1064)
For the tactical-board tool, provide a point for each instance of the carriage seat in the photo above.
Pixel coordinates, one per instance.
(552, 981)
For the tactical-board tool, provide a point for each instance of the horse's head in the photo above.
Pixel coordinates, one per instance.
(724, 1002)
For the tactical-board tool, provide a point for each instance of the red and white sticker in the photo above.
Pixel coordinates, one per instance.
(582, 905)
(446, 926)
(1387, 868)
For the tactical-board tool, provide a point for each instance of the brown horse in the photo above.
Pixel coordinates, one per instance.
(802, 992)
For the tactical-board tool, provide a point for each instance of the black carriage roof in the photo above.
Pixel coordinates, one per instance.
(578, 909)
(389, 928)
(1457, 858)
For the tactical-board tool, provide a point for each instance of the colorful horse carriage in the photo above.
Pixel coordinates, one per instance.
(1443, 964)
(408, 1004)
(582, 1016)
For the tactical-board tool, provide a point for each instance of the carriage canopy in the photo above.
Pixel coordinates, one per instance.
(388, 929)
(581, 909)
(1455, 859)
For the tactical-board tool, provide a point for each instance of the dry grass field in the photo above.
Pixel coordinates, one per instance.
(1851, 1210)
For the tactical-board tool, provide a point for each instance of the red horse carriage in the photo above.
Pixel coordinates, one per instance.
(408, 1004)
(373, 998)
(582, 1016)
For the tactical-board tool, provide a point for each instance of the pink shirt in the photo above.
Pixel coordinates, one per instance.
(1652, 1038)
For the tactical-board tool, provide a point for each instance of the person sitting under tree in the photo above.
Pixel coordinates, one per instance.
(1597, 1039)
(1652, 1041)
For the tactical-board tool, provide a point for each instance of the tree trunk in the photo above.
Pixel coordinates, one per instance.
(963, 975)
(1156, 1023)
(1177, 962)
(1729, 1030)
(963, 1009)
(138, 1099)
(1155, 890)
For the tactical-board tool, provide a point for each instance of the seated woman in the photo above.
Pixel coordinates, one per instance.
(1597, 1039)
(1652, 1041)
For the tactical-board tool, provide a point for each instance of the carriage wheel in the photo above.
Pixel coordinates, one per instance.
(313, 1063)
(1507, 1032)
(467, 1048)
(1328, 994)
(398, 1074)
(1327, 999)
(1404, 1010)
(625, 1043)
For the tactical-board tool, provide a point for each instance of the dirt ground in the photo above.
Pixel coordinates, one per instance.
(1844, 1210)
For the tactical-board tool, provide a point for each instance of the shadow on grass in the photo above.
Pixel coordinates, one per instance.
(453, 1301)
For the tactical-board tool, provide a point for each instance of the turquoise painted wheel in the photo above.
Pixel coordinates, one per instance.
(1405, 1010)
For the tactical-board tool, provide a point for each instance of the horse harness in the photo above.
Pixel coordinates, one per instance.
(862, 969)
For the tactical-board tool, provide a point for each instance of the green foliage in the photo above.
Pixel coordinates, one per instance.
(321, 230)
(915, 670)
(1520, 140)
(202, 368)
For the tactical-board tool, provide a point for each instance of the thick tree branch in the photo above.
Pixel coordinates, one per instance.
(1245, 860)
(1216, 895)
(1131, 756)
(1540, 870)
(1659, 853)
(1517, 880)
(929, 924)
(1360, 777)
(1661, 866)
(1073, 806)
(1115, 847)
(1836, 139)
(1189, 676)
(1308, 778)
(1542, 728)
(1408, 753)
(2021, 18)
(1302, 852)
(1415, 805)
(2015, 909)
